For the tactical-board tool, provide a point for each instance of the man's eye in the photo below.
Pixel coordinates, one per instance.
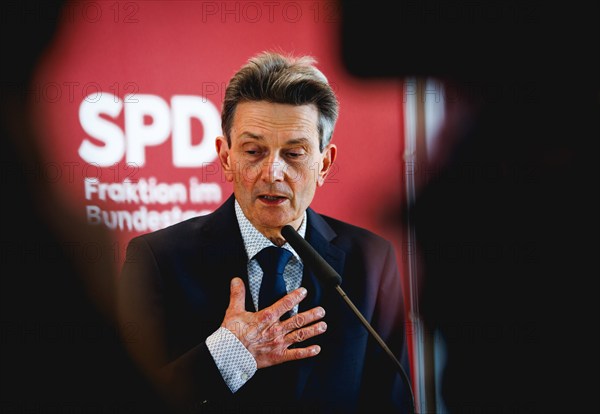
(295, 154)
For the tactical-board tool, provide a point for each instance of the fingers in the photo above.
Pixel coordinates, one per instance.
(300, 335)
(280, 353)
(268, 339)
(303, 319)
(299, 327)
(237, 296)
(276, 342)
(301, 353)
(286, 303)
(303, 334)
(269, 318)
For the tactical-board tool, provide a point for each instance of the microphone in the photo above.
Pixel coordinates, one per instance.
(326, 274)
(330, 278)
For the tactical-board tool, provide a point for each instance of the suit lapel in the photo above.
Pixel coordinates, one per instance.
(224, 248)
(319, 235)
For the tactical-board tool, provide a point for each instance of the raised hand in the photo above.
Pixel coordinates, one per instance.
(266, 337)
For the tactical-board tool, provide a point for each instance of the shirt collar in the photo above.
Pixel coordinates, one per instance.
(254, 240)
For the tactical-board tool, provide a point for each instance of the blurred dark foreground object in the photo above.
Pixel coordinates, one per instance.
(507, 228)
(471, 40)
(60, 351)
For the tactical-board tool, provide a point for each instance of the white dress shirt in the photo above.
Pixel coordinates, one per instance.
(234, 361)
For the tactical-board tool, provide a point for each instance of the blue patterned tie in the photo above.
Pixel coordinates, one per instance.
(272, 260)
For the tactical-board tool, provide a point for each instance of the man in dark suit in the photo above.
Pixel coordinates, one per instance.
(190, 297)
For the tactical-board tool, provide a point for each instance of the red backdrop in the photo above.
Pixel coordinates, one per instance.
(128, 97)
(123, 78)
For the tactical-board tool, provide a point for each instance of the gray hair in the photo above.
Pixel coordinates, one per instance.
(276, 78)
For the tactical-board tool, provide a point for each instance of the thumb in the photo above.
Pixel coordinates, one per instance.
(237, 296)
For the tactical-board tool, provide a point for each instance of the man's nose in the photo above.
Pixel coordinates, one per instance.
(273, 169)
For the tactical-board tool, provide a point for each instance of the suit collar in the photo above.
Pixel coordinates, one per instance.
(222, 225)
(320, 235)
(222, 229)
(221, 232)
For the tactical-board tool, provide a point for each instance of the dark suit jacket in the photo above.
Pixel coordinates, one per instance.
(174, 290)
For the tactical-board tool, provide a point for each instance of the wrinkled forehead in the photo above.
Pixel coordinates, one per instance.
(265, 119)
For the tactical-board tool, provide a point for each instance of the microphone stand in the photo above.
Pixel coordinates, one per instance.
(330, 277)
(381, 343)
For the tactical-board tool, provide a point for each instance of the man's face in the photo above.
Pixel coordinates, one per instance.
(274, 162)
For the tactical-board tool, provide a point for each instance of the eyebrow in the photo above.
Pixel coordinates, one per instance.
(251, 135)
(293, 141)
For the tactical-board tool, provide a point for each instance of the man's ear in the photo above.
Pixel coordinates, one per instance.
(328, 157)
(224, 159)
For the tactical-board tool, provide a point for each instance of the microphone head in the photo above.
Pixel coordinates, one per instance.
(286, 231)
(323, 270)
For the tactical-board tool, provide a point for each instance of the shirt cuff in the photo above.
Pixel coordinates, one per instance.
(235, 363)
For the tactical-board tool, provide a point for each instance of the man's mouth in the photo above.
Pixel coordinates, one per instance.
(272, 199)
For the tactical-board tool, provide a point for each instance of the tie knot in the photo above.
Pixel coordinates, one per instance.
(273, 259)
